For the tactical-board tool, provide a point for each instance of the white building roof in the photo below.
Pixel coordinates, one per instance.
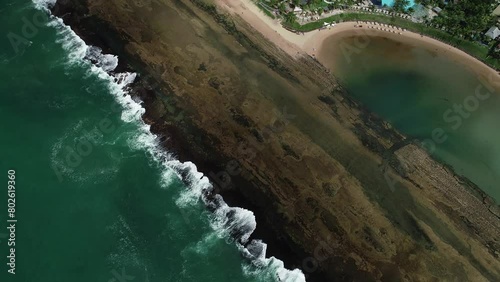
(493, 32)
(496, 12)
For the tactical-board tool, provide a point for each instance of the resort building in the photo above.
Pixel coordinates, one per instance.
(493, 32)
(437, 10)
(297, 10)
(496, 12)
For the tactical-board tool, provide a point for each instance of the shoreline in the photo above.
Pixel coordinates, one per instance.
(299, 218)
(311, 43)
(179, 143)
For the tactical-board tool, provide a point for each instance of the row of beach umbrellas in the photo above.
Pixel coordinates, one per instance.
(384, 27)
(404, 16)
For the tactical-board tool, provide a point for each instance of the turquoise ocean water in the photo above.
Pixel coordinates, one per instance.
(96, 200)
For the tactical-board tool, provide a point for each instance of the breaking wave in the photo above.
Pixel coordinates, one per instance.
(232, 223)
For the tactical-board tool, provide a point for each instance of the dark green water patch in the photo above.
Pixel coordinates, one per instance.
(431, 97)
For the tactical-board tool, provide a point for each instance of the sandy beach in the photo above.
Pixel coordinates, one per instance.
(279, 136)
(311, 43)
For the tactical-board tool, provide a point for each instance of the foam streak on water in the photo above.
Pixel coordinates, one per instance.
(227, 222)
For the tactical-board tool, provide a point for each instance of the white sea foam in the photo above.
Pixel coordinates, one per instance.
(44, 5)
(227, 222)
(61, 161)
(233, 222)
(74, 45)
(107, 62)
(205, 245)
(256, 251)
(57, 160)
(127, 252)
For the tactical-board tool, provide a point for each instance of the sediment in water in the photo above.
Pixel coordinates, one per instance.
(320, 186)
(239, 223)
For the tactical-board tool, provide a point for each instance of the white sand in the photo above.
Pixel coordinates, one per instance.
(311, 42)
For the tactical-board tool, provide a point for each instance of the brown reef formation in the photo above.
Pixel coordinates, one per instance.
(337, 192)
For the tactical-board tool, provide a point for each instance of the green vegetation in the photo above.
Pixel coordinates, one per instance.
(495, 51)
(266, 11)
(467, 18)
(310, 5)
(434, 3)
(354, 17)
(473, 48)
(290, 18)
(463, 24)
(400, 6)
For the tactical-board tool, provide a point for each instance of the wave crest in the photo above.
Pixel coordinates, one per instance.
(228, 222)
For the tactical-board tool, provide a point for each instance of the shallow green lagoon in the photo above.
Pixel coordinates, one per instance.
(428, 96)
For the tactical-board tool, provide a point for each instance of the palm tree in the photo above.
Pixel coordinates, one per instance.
(282, 8)
(400, 5)
(290, 17)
